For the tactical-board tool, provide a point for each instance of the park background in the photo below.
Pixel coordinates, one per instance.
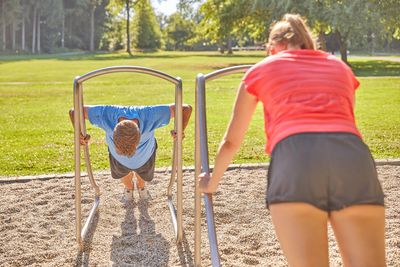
(45, 44)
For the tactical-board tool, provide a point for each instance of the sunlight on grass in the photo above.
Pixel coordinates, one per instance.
(36, 94)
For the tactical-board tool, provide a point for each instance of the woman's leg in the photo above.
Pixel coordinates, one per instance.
(360, 233)
(302, 233)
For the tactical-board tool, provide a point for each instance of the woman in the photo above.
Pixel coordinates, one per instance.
(320, 170)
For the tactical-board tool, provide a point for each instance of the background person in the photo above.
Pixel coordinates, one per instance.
(130, 138)
(320, 169)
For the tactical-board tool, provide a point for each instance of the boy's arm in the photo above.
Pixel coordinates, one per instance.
(85, 114)
(83, 139)
(186, 113)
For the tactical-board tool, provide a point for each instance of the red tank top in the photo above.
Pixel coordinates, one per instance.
(303, 91)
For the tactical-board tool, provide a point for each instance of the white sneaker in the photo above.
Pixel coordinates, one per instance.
(128, 194)
(144, 194)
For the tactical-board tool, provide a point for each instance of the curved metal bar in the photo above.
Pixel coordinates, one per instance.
(89, 220)
(202, 163)
(86, 147)
(173, 171)
(179, 183)
(80, 128)
(226, 71)
(137, 69)
(177, 214)
(172, 210)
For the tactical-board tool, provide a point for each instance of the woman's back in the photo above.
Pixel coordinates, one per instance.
(303, 91)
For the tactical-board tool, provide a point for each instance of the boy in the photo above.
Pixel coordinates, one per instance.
(130, 139)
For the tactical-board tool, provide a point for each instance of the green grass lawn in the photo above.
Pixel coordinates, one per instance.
(36, 136)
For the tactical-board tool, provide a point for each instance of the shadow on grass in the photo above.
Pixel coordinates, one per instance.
(98, 56)
(362, 68)
(375, 68)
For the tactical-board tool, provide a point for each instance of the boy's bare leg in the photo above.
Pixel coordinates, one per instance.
(127, 181)
(140, 182)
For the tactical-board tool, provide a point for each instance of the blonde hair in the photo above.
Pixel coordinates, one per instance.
(291, 30)
(126, 137)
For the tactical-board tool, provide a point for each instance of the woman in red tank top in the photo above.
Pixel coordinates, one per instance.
(320, 171)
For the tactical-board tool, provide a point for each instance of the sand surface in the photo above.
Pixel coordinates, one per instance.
(37, 223)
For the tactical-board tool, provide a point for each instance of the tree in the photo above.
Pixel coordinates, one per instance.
(217, 23)
(10, 13)
(347, 20)
(78, 26)
(128, 35)
(147, 31)
(125, 4)
(177, 32)
(3, 24)
(92, 7)
(228, 20)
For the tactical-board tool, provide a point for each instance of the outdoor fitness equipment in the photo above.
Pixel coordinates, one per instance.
(80, 128)
(202, 164)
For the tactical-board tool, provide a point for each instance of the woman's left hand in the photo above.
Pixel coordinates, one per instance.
(206, 183)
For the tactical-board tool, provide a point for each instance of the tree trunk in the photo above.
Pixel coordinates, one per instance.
(229, 44)
(3, 26)
(38, 32)
(93, 8)
(63, 31)
(342, 46)
(23, 34)
(221, 46)
(34, 29)
(128, 37)
(13, 33)
(321, 43)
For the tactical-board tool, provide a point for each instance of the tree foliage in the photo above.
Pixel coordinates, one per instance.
(45, 26)
(349, 22)
(147, 34)
(178, 32)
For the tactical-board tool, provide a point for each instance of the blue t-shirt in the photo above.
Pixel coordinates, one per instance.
(149, 117)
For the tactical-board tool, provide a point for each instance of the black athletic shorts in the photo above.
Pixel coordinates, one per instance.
(146, 171)
(330, 171)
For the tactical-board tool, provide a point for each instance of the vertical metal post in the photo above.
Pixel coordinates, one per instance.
(205, 168)
(77, 164)
(179, 129)
(202, 160)
(197, 197)
(202, 164)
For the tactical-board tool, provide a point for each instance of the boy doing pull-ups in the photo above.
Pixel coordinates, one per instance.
(130, 138)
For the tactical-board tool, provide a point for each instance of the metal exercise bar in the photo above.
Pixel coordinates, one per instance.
(202, 164)
(176, 215)
(78, 107)
(80, 128)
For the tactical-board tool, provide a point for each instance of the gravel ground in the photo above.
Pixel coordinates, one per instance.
(37, 223)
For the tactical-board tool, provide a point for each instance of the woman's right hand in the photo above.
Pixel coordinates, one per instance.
(207, 184)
